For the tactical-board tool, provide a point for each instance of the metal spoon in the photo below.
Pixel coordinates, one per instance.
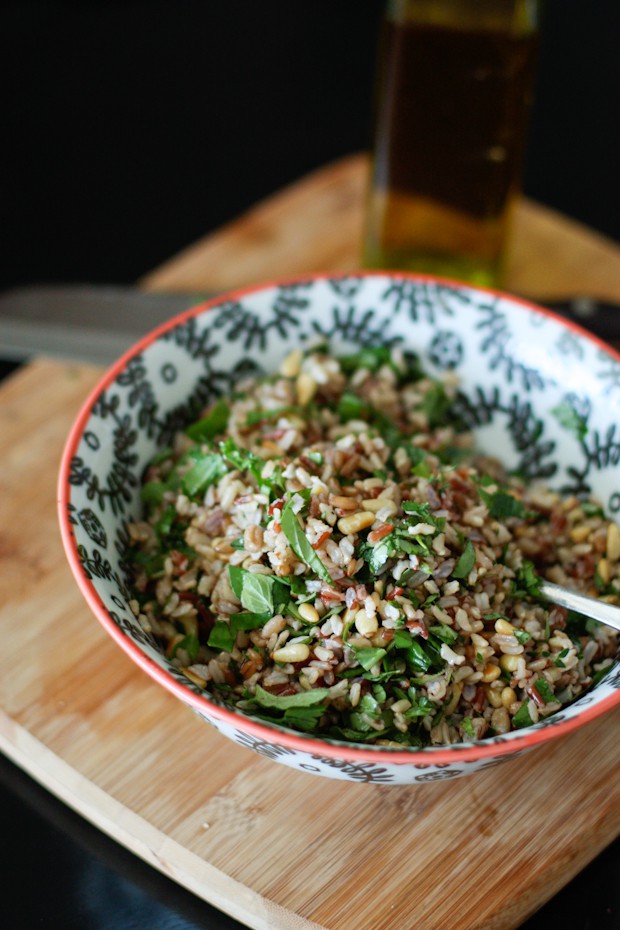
(581, 604)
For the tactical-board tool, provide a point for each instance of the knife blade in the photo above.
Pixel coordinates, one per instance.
(83, 322)
(97, 323)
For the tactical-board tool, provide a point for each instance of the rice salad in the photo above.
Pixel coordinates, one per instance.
(327, 550)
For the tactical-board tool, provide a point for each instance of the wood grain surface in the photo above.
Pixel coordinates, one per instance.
(272, 847)
(316, 225)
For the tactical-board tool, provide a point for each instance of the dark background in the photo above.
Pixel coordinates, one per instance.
(132, 128)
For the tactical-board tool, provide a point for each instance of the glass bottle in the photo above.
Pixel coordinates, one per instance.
(455, 82)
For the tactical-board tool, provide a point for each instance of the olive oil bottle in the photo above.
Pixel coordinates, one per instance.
(455, 82)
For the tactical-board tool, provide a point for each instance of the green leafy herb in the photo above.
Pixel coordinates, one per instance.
(274, 413)
(542, 687)
(445, 633)
(287, 701)
(352, 407)
(522, 717)
(528, 581)
(190, 644)
(435, 404)
(221, 636)
(522, 636)
(211, 425)
(368, 656)
(502, 505)
(208, 467)
(465, 561)
(259, 594)
(468, 727)
(316, 457)
(298, 542)
(152, 493)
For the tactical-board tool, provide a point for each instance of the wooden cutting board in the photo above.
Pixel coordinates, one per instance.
(272, 847)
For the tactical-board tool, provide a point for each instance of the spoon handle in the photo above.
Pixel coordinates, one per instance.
(588, 606)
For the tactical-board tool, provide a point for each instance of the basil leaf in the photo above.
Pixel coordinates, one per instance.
(259, 594)
(445, 633)
(286, 701)
(152, 493)
(352, 407)
(502, 505)
(207, 469)
(542, 687)
(368, 656)
(211, 425)
(522, 717)
(527, 582)
(465, 562)
(248, 621)
(299, 543)
(221, 637)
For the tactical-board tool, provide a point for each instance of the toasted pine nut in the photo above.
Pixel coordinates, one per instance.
(356, 522)
(373, 504)
(305, 388)
(309, 613)
(603, 570)
(509, 696)
(509, 663)
(293, 652)
(494, 697)
(344, 503)
(365, 624)
(503, 627)
(580, 533)
(399, 707)
(613, 542)
(291, 364)
(491, 672)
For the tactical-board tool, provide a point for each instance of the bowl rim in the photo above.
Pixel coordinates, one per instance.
(422, 757)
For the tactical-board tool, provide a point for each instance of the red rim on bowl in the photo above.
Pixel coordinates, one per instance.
(515, 741)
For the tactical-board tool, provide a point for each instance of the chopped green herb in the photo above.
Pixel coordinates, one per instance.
(211, 425)
(465, 561)
(522, 717)
(221, 636)
(468, 727)
(445, 633)
(208, 468)
(367, 656)
(502, 505)
(287, 701)
(298, 542)
(542, 687)
(259, 594)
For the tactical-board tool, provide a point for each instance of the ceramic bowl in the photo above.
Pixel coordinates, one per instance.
(517, 365)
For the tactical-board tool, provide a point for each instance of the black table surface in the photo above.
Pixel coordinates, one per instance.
(58, 872)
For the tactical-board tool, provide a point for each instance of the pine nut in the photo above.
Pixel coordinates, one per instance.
(494, 697)
(365, 624)
(491, 672)
(294, 652)
(503, 627)
(399, 707)
(603, 570)
(509, 663)
(509, 696)
(305, 388)
(613, 542)
(356, 522)
(309, 613)
(580, 533)
(373, 504)
(292, 363)
(344, 503)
